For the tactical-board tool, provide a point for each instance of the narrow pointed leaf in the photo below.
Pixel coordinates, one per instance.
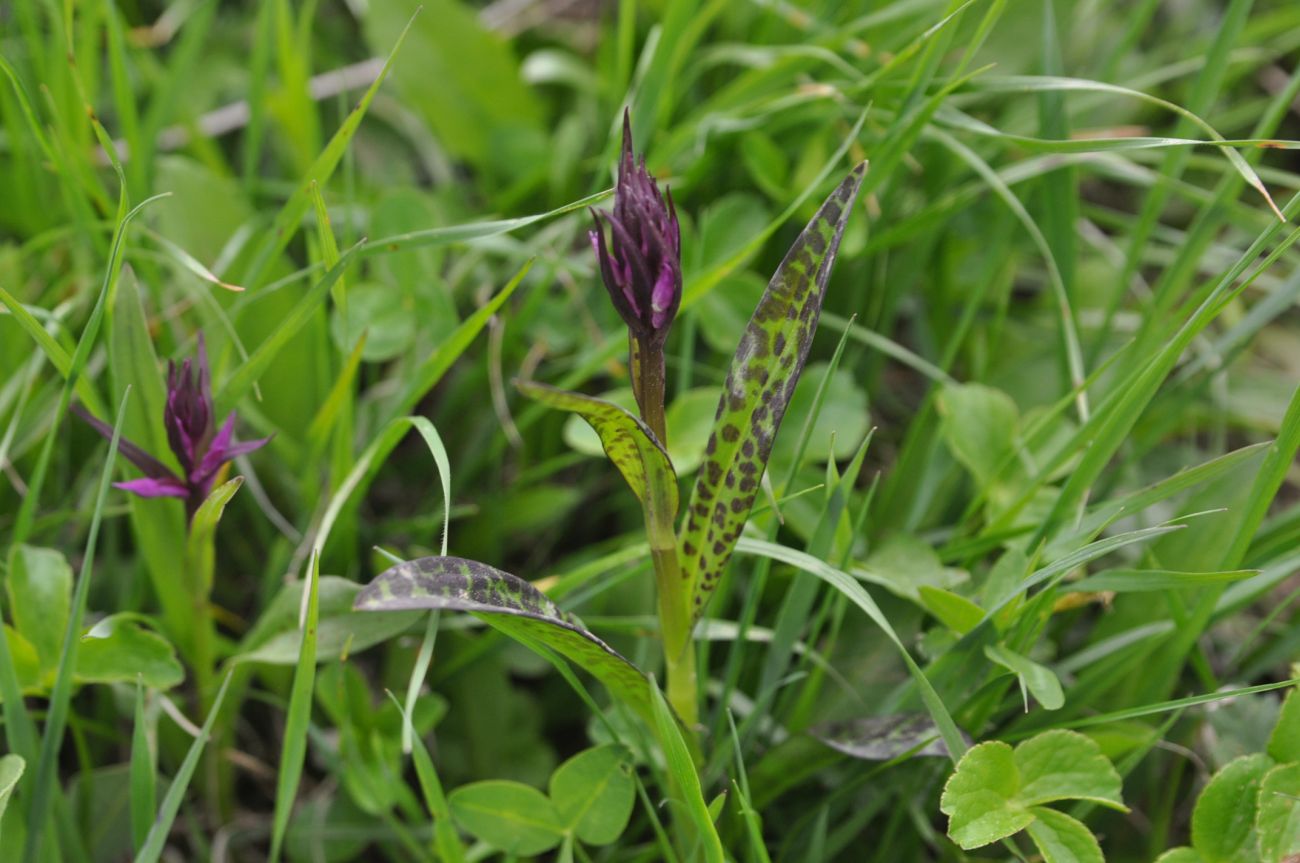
(511, 605)
(758, 388)
(628, 442)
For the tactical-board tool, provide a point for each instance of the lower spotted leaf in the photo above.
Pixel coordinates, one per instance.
(1062, 839)
(511, 605)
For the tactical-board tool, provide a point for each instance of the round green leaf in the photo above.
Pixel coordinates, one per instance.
(1223, 822)
(979, 797)
(594, 793)
(383, 313)
(509, 816)
(1061, 839)
(1278, 821)
(1065, 765)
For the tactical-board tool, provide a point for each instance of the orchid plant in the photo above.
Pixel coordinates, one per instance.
(202, 450)
(638, 251)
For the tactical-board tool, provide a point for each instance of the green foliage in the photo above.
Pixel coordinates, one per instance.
(997, 791)
(1062, 313)
(590, 799)
(510, 604)
(757, 391)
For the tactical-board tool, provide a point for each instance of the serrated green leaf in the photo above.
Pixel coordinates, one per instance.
(1223, 822)
(40, 599)
(1062, 839)
(628, 442)
(1284, 742)
(978, 797)
(1066, 765)
(510, 604)
(594, 792)
(995, 791)
(1277, 822)
(1039, 680)
(509, 816)
(758, 388)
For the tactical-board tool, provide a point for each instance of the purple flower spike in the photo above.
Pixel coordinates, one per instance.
(192, 435)
(642, 263)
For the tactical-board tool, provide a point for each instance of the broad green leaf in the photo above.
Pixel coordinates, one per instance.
(11, 770)
(1136, 580)
(953, 610)
(1180, 855)
(119, 650)
(628, 443)
(979, 425)
(275, 638)
(1223, 822)
(509, 816)
(1061, 839)
(1277, 824)
(594, 792)
(902, 564)
(510, 604)
(882, 738)
(1066, 765)
(979, 797)
(757, 390)
(1284, 743)
(1039, 680)
(40, 598)
(379, 312)
(26, 664)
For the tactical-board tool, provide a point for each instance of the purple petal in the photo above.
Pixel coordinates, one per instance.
(223, 449)
(133, 453)
(155, 487)
(235, 450)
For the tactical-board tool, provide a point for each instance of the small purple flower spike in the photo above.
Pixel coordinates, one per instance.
(642, 265)
(200, 448)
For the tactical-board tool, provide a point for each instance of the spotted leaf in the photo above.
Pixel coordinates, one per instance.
(629, 443)
(510, 605)
(759, 384)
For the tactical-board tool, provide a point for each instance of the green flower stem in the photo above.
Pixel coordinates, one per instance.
(671, 586)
